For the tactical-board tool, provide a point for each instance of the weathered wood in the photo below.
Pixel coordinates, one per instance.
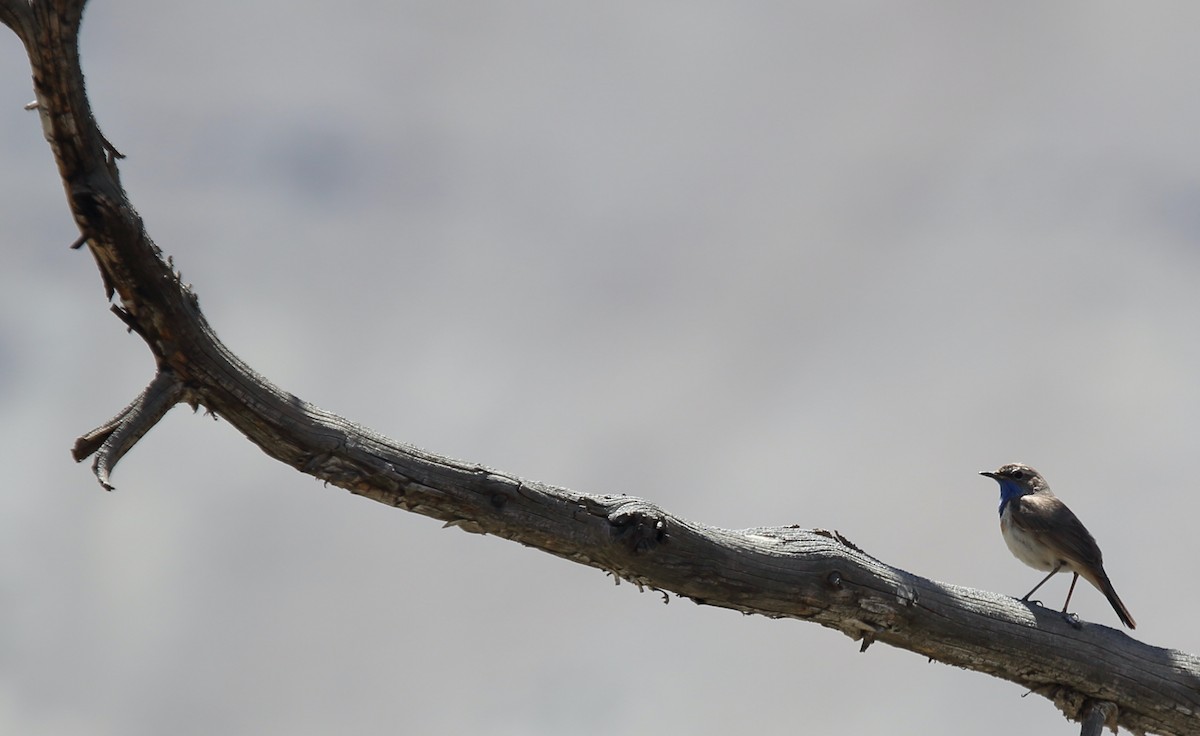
(785, 572)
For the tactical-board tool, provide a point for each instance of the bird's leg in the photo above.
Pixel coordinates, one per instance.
(1025, 598)
(1071, 618)
(1069, 592)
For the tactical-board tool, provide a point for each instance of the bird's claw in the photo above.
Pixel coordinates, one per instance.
(1072, 620)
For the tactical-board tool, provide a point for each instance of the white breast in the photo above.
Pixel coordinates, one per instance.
(1024, 546)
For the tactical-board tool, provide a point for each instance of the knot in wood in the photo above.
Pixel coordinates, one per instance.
(641, 530)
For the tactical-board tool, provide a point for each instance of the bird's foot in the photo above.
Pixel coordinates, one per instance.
(1032, 603)
(1072, 620)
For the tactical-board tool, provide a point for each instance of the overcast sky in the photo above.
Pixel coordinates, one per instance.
(761, 263)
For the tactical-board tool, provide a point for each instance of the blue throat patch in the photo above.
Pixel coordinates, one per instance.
(1008, 491)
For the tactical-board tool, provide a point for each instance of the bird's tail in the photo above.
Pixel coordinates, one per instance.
(1105, 586)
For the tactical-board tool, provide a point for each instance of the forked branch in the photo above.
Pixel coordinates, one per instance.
(111, 440)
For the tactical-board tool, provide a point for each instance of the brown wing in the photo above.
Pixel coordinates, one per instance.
(1054, 525)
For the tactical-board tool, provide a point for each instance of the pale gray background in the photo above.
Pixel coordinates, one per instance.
(763, 263)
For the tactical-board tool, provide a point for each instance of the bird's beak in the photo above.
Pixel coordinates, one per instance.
(988, 473)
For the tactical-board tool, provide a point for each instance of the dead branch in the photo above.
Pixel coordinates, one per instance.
(1091, 672)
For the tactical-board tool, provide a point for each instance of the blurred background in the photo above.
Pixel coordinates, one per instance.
(761, 263)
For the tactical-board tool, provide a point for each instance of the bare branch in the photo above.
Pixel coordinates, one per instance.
(812, 575)
(118, 436)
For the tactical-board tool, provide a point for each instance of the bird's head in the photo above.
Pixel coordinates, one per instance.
(1017, 480)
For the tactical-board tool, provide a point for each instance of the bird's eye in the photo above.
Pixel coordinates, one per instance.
(1018, 474)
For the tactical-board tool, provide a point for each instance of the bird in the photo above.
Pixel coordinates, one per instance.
(1043, 533)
